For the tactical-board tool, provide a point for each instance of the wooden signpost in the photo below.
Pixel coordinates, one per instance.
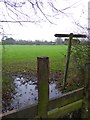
(71, 36)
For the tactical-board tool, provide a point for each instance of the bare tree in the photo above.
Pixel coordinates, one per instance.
(32, 10)
(35, 11)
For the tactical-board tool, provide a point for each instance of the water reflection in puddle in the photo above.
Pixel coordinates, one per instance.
(26, 92)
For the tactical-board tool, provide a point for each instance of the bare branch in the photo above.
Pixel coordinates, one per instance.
(16, 21)
(42, 12)
(14, 4)
(34, 11)
(35, 5)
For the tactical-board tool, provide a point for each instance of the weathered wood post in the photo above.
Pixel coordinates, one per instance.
(43, 86)
(86, 99)
(71, 35)
(67, 60)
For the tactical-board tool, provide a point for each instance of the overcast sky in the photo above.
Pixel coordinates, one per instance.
(44, 30)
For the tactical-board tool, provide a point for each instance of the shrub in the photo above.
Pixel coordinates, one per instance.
(80, 55)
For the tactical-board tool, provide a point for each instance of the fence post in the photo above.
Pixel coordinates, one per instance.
(86, 99)
(43, 86)
(67, 60)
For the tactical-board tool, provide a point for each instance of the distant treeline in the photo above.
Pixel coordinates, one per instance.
(25, 42)
(58, 41)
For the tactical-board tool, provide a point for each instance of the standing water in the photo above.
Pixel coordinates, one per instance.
(26, 93)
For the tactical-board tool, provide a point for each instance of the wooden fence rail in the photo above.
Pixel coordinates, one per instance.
(55, 107)
(54, 104)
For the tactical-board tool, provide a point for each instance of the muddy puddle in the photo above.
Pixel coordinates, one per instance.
(26, 93)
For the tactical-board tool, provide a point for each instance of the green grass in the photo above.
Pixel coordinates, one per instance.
(24, 57)
(28, 52)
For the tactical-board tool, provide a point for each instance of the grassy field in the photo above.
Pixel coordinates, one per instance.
(23, 59)
(19, 58)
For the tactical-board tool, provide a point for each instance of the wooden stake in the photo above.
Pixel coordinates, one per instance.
(67, 60)
(43, 86)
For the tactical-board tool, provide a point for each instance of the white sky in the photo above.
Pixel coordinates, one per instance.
(45, 30)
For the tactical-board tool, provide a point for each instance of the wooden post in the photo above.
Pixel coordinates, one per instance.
(86, 99)
(67, 60)
(43, 86)
(71, 35)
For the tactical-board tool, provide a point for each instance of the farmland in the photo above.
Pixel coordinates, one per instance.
(21, 61)
(19, 58)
